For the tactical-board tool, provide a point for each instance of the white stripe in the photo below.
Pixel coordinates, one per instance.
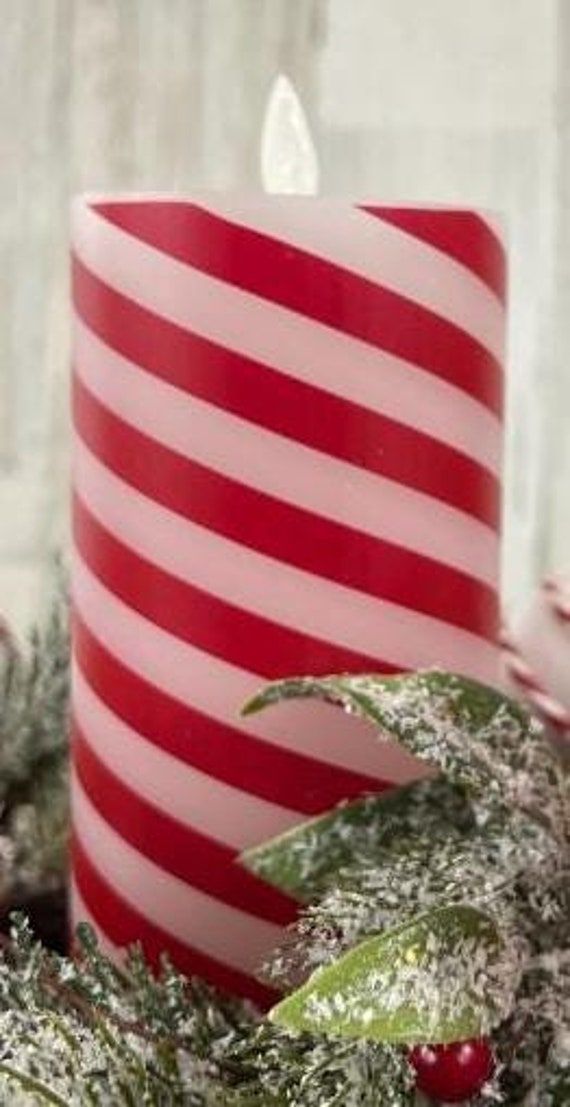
(288, 596)
(219, 689)
(196, 800)
(285, 469)
(282, 339)
(80, 913)
(342, 234)
(216, 929)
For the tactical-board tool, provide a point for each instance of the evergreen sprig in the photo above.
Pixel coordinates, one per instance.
(82, 1032)
(438, 910)
(370, 958)
(34, 700)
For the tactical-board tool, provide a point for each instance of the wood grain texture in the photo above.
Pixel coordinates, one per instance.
(468, 106)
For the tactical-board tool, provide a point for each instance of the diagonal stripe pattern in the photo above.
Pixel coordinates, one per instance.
(287, 420)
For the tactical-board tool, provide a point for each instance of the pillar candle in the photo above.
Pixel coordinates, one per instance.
(287, 419)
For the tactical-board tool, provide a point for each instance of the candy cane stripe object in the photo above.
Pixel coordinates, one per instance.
(535, 656)
(287, 419)
(307, 478)
(558, 598)
(194, 736)
(381, 254)
(168, 901)
(303, 283)
(164, 337)
(289, 597)
(117, 919)
(271, 525)
(274, 401)
(462, 235)
(177, 789)
(210, 684)
(195, 615)
(525, 680)
(194, 857)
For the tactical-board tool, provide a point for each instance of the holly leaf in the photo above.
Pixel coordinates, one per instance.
(305, 860)
(478, 737)
(437, 978)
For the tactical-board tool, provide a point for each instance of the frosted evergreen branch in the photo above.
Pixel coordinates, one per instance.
(34, 698)
(493, 835)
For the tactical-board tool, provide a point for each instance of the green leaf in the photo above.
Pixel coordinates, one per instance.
(305, 860)
(479, 738)
(434, 979)
(431, 713)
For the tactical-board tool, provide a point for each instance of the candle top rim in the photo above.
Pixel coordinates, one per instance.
(261, 199)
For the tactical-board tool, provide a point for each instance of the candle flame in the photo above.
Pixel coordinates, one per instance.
(288, 156)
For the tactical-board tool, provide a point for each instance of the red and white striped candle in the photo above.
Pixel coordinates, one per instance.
(287, 456)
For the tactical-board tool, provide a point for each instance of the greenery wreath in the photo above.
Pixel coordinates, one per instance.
(431, 959)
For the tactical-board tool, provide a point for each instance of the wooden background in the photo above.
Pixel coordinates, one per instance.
(463, 102)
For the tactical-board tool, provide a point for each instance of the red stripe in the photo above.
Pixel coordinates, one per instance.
(124, 926)
(461, 234)
(271, 399)
(186, 853)
(321, 290)
(209, 623)
(280, 530)
(291, 780)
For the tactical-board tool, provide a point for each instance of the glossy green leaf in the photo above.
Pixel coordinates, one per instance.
(433, 979)
(479, 738)
(305, 860)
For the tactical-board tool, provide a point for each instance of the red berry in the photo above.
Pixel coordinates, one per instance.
(453, 1073)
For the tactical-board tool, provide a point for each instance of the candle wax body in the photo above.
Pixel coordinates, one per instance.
(287, 422)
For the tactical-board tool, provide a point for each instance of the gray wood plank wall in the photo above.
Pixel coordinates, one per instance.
(466, 103)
